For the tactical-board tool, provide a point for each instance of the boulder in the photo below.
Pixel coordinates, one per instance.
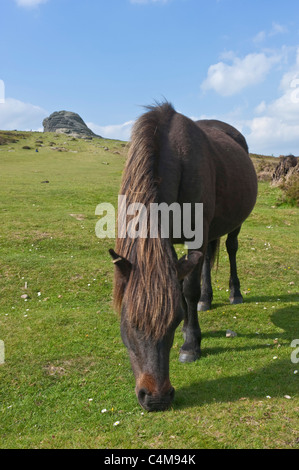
(284, 167)
(66, 122)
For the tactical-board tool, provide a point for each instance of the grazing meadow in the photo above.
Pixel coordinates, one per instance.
(66, 381)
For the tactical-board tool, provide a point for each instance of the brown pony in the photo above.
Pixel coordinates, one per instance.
(173, 159)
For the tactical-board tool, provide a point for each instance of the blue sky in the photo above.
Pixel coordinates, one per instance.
(234, 60)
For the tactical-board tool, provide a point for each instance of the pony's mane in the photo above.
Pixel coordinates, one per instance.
(149, 295)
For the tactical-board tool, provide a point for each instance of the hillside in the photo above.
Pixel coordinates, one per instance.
(26, 143)
(14, 141)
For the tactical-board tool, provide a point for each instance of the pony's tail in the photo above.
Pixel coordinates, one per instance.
(215, 248)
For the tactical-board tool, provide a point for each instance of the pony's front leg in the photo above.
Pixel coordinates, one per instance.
(190, 351)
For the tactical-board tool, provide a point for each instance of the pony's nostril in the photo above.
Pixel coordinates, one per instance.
(142, 394)
(171, 393)
(155, 402)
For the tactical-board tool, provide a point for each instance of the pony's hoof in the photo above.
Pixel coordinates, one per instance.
(189, 356)
(236, 300)
(203, 306)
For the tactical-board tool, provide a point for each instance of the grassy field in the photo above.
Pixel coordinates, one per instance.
(66, 381)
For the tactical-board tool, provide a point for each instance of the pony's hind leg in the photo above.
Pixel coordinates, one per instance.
(190, 351)
(234, 283)
(206, 297)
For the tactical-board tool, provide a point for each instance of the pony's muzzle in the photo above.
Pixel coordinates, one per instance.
(155, 402)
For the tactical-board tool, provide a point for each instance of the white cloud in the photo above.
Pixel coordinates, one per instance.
(276, 130)
(15, 114)
(273, 128)
(29, 3)
(260, 37)
(114, 131)
(261, 108)
(229, 79)
(276, 29)
(273, 136)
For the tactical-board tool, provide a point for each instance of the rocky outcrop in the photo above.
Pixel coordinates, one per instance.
(285, 168)
(66, 122)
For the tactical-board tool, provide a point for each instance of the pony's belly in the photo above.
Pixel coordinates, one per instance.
(221, 226)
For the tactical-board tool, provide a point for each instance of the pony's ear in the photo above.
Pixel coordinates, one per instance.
(122, 264)
(187, 263)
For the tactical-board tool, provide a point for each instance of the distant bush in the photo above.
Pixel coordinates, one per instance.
(290, 186)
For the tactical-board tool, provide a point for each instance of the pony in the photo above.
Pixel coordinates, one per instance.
(173, 159)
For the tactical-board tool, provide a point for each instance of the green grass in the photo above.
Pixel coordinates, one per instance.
(64, 358)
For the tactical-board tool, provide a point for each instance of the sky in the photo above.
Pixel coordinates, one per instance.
(233, 60)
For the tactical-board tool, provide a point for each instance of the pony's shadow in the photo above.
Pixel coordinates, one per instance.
(293, 297)
(276, 379)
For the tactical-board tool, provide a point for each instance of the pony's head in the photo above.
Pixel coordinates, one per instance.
(149, 318)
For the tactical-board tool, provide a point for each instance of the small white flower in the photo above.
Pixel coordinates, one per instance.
(275, 357)
(39, 294)
(268, 396)
(90, 399)
(116, 423)
(295, 371)
(104, 410)
(288, 397)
